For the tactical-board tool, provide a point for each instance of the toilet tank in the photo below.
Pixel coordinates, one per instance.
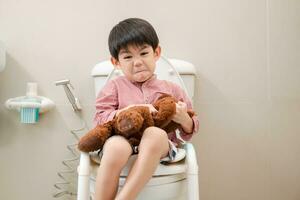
(185, 69)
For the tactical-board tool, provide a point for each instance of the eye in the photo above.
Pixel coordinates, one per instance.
(127, 57)
(144, 53)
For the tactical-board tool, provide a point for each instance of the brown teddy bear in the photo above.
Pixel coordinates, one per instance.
(131, 124)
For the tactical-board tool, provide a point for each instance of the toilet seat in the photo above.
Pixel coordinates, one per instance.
(159, 180)
(164, 173)
(154, 181)
(161, 170)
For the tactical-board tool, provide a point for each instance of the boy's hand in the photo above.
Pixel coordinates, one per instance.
(150, 106)
(181, 113)
(182, 117)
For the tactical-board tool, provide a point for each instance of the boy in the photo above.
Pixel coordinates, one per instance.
(134, 47)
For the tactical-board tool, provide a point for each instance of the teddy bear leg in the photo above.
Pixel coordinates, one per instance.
(95, 138)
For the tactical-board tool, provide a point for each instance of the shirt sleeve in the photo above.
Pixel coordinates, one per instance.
(106, 103)
(182, 96)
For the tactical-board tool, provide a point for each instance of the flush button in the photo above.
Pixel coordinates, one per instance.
(171, 71)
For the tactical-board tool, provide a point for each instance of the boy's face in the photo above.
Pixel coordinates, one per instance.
(137, 62)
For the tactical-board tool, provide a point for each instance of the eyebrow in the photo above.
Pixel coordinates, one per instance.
(125, 50)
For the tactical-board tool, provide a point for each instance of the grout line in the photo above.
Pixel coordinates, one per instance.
(270, 103)
(268, 51)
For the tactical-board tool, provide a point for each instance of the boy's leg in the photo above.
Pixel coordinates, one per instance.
(116, 152)
(154, 146)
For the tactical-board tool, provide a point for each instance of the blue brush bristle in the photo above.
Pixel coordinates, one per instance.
(29, 115)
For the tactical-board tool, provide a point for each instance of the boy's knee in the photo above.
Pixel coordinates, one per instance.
(156, 139)
(155, 133)
(117, 150)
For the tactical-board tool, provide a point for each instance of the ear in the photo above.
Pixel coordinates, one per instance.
(115, 63)
(157, 53)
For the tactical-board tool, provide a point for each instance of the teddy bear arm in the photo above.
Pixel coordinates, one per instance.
(148, 119)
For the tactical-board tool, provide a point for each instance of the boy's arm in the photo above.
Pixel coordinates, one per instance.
(106, 103)
(185, 132)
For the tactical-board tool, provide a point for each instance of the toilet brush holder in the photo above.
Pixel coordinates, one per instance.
(30, 108)
(31, 105)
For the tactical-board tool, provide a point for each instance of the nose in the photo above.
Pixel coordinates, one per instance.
(137, 62)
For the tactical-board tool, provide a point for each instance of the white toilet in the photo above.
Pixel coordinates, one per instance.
(178, 181)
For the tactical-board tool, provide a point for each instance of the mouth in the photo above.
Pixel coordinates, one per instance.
(140, 71)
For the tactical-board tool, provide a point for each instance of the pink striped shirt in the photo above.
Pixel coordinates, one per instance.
(121, 92)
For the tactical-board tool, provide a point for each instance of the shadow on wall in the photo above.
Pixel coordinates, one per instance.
(233, 133)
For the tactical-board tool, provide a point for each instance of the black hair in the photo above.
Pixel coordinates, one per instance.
(132, 31)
